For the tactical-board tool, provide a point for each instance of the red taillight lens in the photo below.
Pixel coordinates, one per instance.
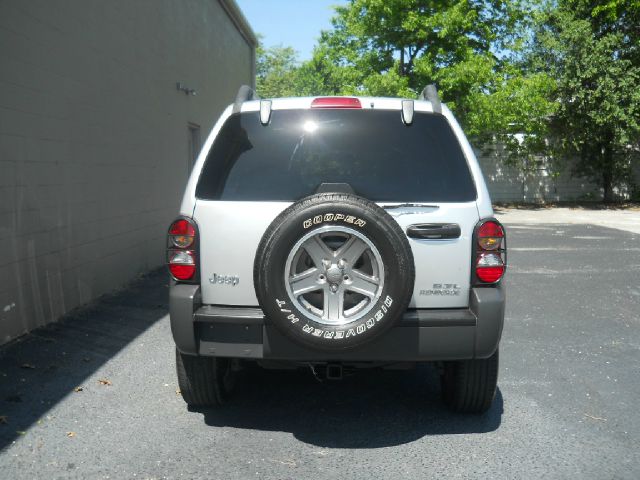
(489, 267)
(182, 233)
(182, 227)
(182, 272)
(336, 102)
(490, 235)
(182, 262)
(490, 261)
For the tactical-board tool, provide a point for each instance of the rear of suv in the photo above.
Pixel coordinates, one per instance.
(335, 233)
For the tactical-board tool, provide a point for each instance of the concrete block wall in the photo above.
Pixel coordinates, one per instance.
(94, 151)
(509, 184)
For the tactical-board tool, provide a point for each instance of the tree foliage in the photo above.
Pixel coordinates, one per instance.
(276, 71)
(592, 51)
(397, 47)
(560, 79)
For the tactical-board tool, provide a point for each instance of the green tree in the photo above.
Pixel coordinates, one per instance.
(396, 47)
(560, 79)
(469, 48)
(592, 50)
(473, 50)
(276, 71)
(280, 74)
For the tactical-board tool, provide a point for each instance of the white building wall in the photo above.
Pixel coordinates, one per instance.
(94, 150)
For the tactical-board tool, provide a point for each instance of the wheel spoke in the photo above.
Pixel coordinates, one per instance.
(317, 250)
(333, 305)
(352, 250)
(333, 268)
(363, 284)
(305, 282)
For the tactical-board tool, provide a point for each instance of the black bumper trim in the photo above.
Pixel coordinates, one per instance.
(236, 315)
(244, 332)
(421, 335)
(454, 317)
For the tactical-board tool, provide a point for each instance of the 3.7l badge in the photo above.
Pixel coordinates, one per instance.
(444, 289)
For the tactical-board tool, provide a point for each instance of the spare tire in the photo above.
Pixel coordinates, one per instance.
(334, 271)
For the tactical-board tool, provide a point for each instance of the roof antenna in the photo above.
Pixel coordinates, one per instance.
(430, 93)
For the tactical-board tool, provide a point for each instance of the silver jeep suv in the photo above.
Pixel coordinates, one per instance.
(337, 233)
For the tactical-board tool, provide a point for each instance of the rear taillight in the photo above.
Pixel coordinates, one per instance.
(490, 252)
(182, 248)
(490, 235)
(182, 233)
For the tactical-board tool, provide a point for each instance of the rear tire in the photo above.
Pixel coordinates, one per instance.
(205, 381)
(469, 386)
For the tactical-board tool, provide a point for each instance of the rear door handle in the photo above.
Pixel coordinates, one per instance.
(434, 231)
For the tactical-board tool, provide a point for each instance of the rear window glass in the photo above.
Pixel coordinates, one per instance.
(371, 150)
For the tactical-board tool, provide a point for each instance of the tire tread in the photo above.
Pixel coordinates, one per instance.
(198, 380)
(470, 386)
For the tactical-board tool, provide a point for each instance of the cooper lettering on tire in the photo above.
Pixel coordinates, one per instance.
(334, 271)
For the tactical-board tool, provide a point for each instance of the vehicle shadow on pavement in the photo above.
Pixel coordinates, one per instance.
(39, 369)
(370, 409)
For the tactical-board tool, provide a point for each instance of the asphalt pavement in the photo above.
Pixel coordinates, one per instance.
(94, 395)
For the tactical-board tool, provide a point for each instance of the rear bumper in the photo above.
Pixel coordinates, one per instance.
(421, 335)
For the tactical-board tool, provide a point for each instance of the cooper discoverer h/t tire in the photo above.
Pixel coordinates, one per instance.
(334, 271)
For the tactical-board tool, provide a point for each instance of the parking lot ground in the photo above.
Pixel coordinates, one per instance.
(567, 405)
(625, 218)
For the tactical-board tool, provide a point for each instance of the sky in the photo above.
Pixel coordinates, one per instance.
(292, 23)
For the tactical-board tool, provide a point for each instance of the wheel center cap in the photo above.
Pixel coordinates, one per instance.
(334, 274)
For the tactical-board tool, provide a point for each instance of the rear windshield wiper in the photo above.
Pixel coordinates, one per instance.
(412, 205)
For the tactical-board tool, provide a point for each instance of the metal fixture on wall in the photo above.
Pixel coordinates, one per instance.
(183, 88)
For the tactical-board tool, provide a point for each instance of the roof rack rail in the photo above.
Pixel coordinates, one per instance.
(430, 93)
(245, 93)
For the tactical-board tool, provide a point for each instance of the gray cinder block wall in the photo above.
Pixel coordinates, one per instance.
(538, 185)
(95, 138)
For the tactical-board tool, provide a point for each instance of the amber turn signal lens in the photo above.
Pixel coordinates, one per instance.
(182, 241)
(490, 235)
(489, 243)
